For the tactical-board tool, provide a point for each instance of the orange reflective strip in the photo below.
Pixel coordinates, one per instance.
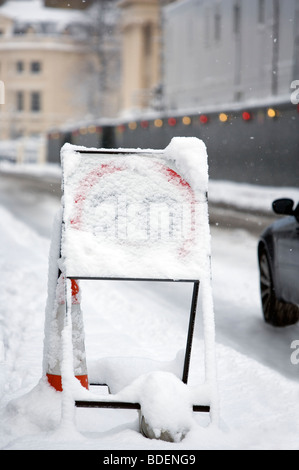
(75, 288)
(55, 381)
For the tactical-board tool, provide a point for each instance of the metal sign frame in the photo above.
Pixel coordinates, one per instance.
(192, 317)
(185, 372)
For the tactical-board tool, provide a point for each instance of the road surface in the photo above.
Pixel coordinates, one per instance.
(258, 384)
(21, 192)
(35, 200)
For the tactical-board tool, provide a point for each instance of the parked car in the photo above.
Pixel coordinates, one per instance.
(278, 255)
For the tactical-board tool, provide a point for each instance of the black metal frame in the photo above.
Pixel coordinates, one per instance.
(185, 374)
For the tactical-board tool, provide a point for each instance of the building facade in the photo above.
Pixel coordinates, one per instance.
(220, 52)
(141, 47)
(47, 67)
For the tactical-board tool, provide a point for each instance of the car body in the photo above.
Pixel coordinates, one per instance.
(278, 255)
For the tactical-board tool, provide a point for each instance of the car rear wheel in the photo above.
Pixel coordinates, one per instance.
(276, 312)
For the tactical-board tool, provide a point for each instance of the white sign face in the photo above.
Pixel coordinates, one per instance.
(130, 216)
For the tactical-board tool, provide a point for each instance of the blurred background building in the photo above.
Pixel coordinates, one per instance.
(229, 51)
(141, 49)
(53, 63)
(133, 73)
(63, 60)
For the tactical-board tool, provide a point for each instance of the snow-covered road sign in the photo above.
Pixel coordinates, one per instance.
(133, 215)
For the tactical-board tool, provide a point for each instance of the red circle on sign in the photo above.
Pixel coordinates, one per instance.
(92, 178)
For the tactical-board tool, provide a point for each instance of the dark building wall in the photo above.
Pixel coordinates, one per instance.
(75, 4)
(262, 150)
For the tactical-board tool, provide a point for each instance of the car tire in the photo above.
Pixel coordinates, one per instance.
(276, 312)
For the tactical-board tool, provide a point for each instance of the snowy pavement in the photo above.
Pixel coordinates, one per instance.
(258, 384)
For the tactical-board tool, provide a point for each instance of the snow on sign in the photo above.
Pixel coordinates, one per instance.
(131, 214)
(139, 214)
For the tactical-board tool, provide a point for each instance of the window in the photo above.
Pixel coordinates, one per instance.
(19, 29)
(20, 66)
(261, 11)
(207, 26)
(2, 93)
(35, 101)
(20, 101)
(147, 48)
(217, 24)
(237, 18)
(36, 67)
(147, 32)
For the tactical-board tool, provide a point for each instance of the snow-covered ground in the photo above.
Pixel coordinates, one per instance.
(258, 385)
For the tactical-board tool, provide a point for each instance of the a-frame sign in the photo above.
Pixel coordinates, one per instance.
(132, 214)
